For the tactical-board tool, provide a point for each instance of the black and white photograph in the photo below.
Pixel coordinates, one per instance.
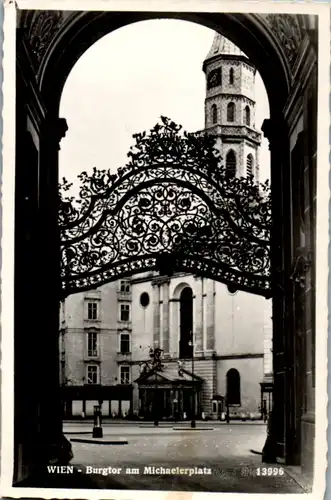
(165, 201)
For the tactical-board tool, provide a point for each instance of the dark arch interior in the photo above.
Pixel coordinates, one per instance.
(214, 113)
(186, 323)
(247, 116)
(231, 76)
(233, 387)
(231, 164)
(249, 164)
(231, 112)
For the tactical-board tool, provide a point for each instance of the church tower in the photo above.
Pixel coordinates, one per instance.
(230, 107)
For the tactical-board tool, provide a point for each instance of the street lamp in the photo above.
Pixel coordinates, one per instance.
(97, 426)
(193, 424)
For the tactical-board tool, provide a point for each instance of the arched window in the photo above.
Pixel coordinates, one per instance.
(233, 387)
(186, 323)
(249, 165)
(247, 116)
(231, 112)
(231, 164)
(231, 76)
(214, 113)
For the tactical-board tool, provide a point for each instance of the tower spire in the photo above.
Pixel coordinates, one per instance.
(230, 106)
(223, 46)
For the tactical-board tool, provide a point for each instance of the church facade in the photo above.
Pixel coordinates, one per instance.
(215, 345)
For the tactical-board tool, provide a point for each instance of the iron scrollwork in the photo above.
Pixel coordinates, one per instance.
(171, 208)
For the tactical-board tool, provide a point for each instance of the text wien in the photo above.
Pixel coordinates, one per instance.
(60, 469)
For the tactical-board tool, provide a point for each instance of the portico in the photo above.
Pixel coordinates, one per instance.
(169, 393)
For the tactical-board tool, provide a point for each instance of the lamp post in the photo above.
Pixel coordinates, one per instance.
(155, 355)
(193, 424)
(227, 411)
(97, 427)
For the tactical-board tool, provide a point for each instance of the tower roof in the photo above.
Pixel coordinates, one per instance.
(223, 46)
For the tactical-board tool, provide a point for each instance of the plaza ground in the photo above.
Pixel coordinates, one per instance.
(227, 450)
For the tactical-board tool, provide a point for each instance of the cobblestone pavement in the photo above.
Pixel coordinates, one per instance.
(226, 451)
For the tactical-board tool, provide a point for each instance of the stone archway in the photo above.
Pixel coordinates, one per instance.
(38, 132)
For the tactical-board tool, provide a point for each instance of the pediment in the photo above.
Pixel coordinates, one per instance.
(169, 374)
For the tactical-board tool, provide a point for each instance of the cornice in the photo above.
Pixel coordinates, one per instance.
(217, 357)
(241, 132)
(229, 59)
(156, 280)
(233, 97)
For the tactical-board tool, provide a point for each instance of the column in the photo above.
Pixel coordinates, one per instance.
(47, 412)
(156, 315)
(26, 431)
(275, 131)
(198, 315)
(180, 402)
(309, 339)
(171, 403)
(174, 327)
(210, 315)
(165, 306)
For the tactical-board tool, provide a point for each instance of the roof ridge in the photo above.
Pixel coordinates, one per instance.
(223, 46)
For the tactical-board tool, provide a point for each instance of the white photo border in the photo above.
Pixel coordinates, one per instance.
(7, 273)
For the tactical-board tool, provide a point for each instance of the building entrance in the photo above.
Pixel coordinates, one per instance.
(168, 404)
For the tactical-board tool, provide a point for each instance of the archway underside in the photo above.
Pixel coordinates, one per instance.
(79, 30)
(172, 208)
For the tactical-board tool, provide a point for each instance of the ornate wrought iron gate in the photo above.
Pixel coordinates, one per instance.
(173, 207)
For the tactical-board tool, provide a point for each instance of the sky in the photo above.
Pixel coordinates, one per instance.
(124, 82)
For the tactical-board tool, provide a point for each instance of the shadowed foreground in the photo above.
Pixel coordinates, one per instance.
(226, 451)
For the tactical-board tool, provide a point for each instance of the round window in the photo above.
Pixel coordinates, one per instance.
(232, 290)
(144, 299)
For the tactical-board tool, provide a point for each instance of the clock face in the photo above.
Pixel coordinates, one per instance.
(214, 78)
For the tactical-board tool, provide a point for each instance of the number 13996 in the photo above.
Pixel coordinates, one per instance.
(269, 471)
